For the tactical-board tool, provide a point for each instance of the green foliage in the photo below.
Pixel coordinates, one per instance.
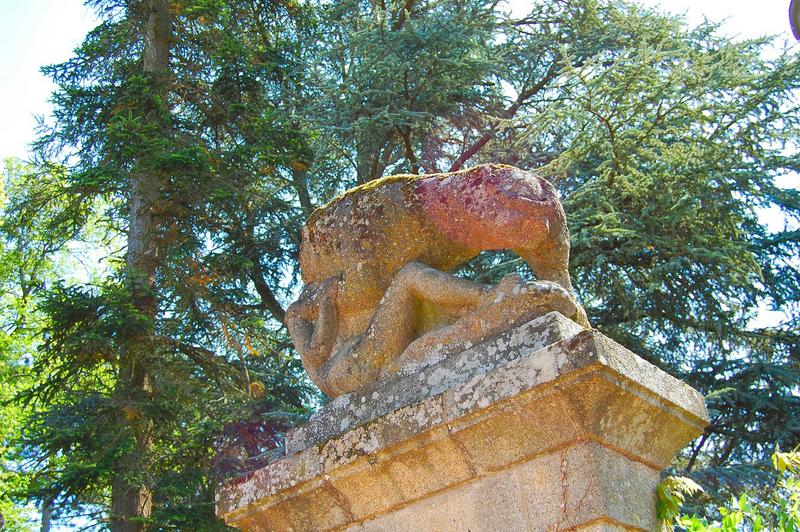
(672, 493)
(20, 271)
(392, 74)
(678, 141)
(780, 512)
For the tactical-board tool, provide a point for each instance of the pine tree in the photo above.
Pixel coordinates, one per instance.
(167, 145)
(665, 142)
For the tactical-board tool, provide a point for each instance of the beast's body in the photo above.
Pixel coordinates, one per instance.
(366, 235)
(357, 246)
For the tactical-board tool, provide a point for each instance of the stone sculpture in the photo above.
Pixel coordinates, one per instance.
(460, 406)
(378, 298)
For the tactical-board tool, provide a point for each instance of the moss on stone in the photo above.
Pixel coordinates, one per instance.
(383, 181)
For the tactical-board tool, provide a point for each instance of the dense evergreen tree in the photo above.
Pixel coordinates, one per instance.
(665, 142)
(191, 138)
(166, 144)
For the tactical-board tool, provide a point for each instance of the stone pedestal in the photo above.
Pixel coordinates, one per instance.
(546, 427)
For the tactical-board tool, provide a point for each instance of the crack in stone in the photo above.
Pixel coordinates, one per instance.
(564, 487)
(461, 447)
(342, 500)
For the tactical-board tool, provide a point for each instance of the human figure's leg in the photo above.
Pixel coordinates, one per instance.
(393, 325)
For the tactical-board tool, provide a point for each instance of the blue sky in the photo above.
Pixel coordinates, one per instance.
(33, 33)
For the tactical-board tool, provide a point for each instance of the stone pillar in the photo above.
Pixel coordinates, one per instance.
(546, 427)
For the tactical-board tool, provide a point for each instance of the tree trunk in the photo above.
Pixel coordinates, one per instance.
(131, 497)
(47, 515)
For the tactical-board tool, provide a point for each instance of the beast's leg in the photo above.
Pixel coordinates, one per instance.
(393, 326)
(550, 262)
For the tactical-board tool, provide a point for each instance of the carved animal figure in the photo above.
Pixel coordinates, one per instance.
(374, 262)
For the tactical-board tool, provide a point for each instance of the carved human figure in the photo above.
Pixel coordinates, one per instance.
(375, 264)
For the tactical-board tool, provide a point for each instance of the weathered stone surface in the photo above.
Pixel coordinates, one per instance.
(431, 376)
(585, 483)
(377, 294)
(547, 426)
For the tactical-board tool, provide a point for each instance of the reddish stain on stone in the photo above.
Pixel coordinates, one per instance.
(496, 208)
